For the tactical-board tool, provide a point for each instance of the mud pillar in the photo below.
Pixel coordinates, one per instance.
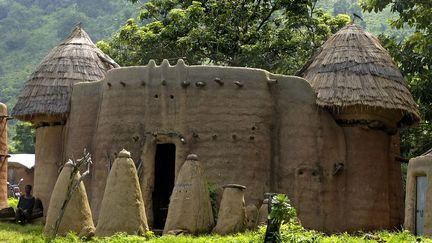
(367, 174)
(232, 211)
(3, 156)
(49, 153)
(77, 216)
(396, 192)
(190, 208)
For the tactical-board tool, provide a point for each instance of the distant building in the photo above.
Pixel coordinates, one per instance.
(21, 166)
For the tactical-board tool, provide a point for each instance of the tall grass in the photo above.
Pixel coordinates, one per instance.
(289, 233)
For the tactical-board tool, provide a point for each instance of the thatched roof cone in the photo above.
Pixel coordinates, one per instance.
(47, 91)
(352, 69)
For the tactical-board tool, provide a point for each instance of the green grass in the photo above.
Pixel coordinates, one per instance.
(290, 233)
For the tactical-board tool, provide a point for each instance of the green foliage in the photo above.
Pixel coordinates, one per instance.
(281, 209)
(348, 7)
(281, 212)
(289, 233)
(23, 141)
(414, 58)
(376, 22)
(12, 202)
(278, 36)
(212, 189)
(31, 28)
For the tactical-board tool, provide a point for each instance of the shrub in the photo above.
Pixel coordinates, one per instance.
(13, 202)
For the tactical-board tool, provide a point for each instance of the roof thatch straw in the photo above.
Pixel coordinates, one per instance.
(352, 69)
(47, 92)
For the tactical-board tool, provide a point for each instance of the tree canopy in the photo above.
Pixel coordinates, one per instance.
(278, 36)
(30, 28)
(23, 140)
(414, 58)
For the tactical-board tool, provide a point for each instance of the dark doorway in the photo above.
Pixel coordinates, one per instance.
(164, 182)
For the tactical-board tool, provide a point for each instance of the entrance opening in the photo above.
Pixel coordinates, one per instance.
(421, 187)
(164, 182)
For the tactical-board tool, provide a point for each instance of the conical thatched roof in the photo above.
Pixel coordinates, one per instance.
(47, 92)
(352, 69)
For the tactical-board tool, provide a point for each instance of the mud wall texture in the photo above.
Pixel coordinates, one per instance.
(249, 127)
(48, 156)
(227, 125)
(16, 172)
(419, 166)
(80, 128)
(3, 156)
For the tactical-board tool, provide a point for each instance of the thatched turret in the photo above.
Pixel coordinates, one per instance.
(46, 95)
(45, 101)
(356, 79)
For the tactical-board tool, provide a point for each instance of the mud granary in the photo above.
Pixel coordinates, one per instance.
(330, 143)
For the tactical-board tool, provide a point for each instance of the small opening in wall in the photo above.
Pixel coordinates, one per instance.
(156, 96)
(164, 182)
(171, 96)
(253, 128)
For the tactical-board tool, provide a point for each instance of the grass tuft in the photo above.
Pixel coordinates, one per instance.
(289, 233)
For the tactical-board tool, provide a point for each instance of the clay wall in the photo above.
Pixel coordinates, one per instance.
(339, 178)
(396, 191)
(81, 126)
(368, 172)
(249, 127)
(3, 156)
(48, 158)
(310, 146)
(228, 126)
(419, 166)
(16, 172)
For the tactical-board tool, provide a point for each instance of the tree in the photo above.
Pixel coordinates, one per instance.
(23, 141)
(277, 35)
(414, 58)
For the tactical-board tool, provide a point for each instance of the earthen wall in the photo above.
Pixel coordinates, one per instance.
(228, 125)
(3, 156)
(48, 157)
(249, 127)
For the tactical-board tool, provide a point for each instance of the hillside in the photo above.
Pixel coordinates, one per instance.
(375, 23)
(29, 29)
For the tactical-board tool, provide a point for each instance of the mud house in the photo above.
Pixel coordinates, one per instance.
(329, 141)
(418, 208)
(21, 166)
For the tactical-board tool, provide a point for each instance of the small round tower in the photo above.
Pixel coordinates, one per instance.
(45, 101)
(356, 80)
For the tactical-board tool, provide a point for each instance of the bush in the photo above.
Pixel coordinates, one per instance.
(13, 202)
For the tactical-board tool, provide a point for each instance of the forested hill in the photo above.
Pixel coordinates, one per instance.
(375, 23)
(29, 29)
